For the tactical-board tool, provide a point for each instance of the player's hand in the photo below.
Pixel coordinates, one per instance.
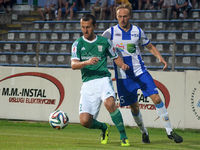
(164, 62)
(125, 67)
(93, 61)
(165, 66)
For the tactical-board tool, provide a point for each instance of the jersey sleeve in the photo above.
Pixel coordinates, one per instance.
(107, 33)
(143, 38)
(75, 54)
(111, 50)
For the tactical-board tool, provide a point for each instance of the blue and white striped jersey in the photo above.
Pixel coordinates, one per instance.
(127, 44)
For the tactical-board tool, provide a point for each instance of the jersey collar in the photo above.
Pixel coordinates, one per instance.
(131, 26)
(88, 40)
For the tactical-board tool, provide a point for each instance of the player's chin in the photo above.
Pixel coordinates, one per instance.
(124, 25)
(86, 36)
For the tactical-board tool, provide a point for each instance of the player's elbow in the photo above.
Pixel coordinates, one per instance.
(73, 67)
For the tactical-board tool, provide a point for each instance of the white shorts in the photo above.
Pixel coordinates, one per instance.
(93, 92)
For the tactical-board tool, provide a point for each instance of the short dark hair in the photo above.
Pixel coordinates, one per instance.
(88, 17)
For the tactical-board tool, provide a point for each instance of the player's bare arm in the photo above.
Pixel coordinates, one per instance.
(76, 64)
(157, 54)
(119, 62)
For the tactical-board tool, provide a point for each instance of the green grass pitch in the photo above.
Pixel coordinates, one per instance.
(23, 135)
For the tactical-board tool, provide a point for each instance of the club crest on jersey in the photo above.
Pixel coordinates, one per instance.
(100, 48)
(83, 48)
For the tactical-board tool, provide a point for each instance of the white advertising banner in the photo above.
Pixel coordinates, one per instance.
(33, 93)
(192, 103)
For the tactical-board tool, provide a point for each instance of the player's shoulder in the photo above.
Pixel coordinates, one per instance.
(135, 27)
(77, 41)
(80, 39)
(111, 28)
(114, 27)
(102, 38)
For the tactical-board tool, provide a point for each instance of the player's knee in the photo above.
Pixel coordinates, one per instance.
(156, 99)
(85, 120)
(109, 103)
(110, 100)
(135, 108)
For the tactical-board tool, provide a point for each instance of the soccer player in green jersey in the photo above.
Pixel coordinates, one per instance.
(89, 54)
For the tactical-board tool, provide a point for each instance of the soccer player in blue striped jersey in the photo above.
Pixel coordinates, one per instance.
(126, 39)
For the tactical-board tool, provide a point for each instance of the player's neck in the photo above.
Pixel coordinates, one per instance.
(92, 37)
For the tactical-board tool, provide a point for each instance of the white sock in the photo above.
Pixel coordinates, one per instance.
(163, 114)
(139, 121)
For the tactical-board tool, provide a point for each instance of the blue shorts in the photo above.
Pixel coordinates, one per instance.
(127, 88)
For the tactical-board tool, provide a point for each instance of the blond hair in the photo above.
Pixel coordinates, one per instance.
(126, 6)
